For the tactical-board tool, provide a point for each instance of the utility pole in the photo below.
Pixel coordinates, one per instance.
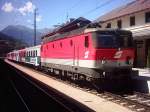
(35, 26)
(67, 17)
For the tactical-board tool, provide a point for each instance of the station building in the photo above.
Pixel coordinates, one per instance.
(135, 17)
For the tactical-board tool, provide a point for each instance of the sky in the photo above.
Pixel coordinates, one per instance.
(53, 12)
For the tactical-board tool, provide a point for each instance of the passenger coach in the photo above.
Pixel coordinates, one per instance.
(30, 55)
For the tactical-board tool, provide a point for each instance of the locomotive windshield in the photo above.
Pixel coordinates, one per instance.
(112, 39)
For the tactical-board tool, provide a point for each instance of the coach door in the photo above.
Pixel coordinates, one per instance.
(76, 55)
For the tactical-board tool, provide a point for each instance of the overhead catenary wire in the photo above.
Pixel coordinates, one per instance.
(98, 7)
(67, 11)
(92, 10)
(106, 3)
(75, 5)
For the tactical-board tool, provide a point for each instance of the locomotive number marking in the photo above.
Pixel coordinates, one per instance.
(86, 54)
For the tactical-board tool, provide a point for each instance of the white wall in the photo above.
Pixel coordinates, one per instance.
(139, 20)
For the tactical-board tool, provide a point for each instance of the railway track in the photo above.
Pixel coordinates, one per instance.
(65, 104)
(137, 102)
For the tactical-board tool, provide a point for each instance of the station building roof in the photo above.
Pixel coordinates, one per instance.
(130, 8)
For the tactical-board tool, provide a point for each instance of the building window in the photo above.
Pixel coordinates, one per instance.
(108, 25)
(132, 20)
(147, 17)
(119, 24)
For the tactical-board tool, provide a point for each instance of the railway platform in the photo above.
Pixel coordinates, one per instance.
(142, 80)
(143, 72)
(94, 102)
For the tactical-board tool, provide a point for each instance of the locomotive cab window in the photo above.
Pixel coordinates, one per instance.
(86, 41)
(113, 39)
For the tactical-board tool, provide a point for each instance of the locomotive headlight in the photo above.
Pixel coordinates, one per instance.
(103, 61)
(129, 60)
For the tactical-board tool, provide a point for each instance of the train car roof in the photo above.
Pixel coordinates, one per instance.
(33, 47)
(80, 31)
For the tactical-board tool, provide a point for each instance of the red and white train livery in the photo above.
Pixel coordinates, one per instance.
(89, 53)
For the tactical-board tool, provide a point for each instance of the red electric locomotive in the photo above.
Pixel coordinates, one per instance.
(89, 53)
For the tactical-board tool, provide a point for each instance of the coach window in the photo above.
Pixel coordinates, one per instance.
(86, 42)
(71, 43)
(33, 53)
(36, 53)
(53, 46)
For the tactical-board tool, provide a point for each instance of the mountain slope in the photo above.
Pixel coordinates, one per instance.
(22, 33)
(8, 44)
